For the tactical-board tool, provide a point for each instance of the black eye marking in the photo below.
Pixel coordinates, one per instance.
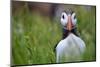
(75, 17)
(63, 16)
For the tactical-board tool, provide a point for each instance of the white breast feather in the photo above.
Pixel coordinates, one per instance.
(70, 49)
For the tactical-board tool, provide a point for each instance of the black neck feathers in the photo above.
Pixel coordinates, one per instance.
(67, 32)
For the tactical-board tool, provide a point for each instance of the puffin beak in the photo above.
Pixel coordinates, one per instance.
(69, 24)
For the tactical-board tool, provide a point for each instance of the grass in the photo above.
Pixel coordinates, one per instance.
(34, 36)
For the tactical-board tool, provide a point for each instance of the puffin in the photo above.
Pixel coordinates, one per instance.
(71, 47)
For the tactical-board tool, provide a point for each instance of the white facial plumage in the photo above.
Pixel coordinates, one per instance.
(74, 20)
(64, 18)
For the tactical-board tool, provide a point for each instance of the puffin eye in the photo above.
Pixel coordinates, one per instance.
(63, 16)
(64, 19)
(75, 17)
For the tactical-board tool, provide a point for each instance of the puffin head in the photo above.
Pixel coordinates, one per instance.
(68, 19)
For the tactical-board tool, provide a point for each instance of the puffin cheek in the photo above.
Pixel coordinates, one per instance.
(74, 21)
(63, 22)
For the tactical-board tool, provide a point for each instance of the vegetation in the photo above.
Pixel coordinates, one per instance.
(34, 36)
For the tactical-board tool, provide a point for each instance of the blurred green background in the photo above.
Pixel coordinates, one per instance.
(35, 30)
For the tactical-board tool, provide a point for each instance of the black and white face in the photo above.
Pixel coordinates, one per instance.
(68, 20)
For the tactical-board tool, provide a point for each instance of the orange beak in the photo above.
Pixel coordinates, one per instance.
(69, 24)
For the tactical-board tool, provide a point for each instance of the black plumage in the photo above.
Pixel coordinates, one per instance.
(66, 32)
